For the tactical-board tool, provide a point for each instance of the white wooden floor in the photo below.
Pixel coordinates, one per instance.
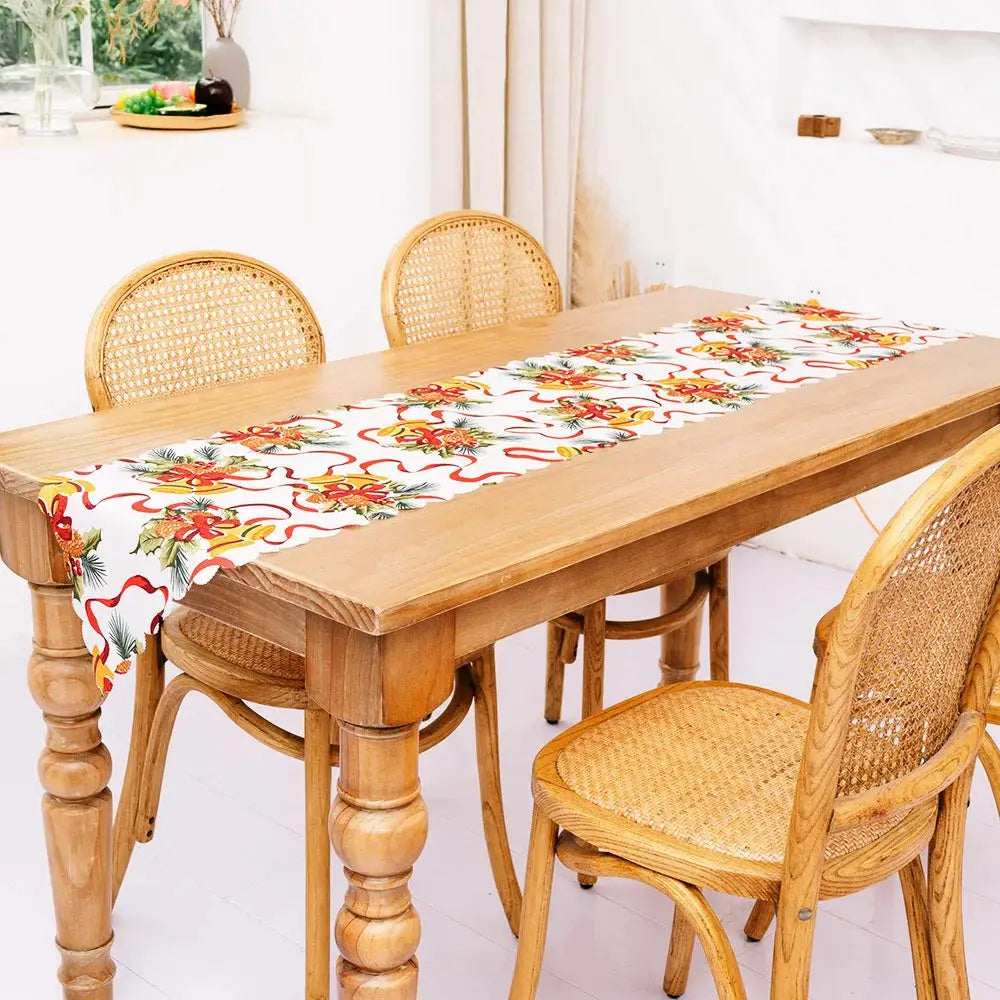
(212, 909)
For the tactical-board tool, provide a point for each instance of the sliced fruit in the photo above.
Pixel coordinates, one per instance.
(178, 110)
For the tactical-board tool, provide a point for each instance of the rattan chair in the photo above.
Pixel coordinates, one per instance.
(463, 271)
(212, 318)
(753, 793)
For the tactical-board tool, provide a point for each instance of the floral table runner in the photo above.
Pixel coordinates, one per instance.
(139, 531)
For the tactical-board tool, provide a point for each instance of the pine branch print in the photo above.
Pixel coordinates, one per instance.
(120, 638)
(92, 570)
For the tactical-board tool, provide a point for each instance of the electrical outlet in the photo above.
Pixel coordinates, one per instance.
(655, 269)
(663, 271)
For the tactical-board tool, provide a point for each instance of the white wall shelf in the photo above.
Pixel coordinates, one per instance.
(923, 15)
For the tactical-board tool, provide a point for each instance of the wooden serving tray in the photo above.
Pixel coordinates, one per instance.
(188, 123)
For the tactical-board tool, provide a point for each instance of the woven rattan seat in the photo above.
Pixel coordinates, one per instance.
(713, 766)
(242, 649)
(234, 662)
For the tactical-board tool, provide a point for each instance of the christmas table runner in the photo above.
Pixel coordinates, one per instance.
(139, 531)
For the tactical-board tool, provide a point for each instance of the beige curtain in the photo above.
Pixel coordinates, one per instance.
(507, 100)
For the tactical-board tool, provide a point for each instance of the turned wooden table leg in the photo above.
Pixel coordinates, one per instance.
(378, 825)
(384, 685)
(679, 655)
(74, 770)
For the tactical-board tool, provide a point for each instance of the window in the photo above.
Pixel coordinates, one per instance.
(170, 51)
(13, 39)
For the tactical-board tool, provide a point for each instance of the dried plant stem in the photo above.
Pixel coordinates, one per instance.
(600, 270)
(223, 14)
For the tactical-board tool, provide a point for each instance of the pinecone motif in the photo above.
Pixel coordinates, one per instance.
(168, 527)
(74, 547)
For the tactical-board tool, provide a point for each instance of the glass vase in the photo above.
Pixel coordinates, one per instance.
(46, 93)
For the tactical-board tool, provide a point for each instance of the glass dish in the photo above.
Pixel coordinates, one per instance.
(982, 147)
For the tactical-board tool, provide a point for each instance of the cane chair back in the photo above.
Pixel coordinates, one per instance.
(462, 271)
(904, 682)
(193, 321)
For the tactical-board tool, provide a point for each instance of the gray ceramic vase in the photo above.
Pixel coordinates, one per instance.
(226, 59)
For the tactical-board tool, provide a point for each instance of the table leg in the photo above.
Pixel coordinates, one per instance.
(679, 648)
(74, 770)
(378, 825)
(379, 687)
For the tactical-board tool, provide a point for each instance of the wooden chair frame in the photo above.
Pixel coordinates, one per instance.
(929, 801)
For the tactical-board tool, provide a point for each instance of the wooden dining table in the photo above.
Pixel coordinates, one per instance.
(383, 615)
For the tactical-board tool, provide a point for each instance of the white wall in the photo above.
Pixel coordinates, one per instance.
(323, 197)
(690, 126)
(689, 120)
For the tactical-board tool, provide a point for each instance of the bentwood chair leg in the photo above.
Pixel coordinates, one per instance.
(705, 924)
(593, 658)
(156, 754)
(759, 920)
(944, 892)
(148, 691)
(537, 895)
(791, 961)
(594, 644)
(571, 638)
(915, 898)
(718, 620)
(484, 687)
(989, 757)
(679, 955)
(317, 769)
(555, 672)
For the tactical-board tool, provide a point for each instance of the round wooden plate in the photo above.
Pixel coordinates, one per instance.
(188, 123)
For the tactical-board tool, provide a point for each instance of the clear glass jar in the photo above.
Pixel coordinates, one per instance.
(49, 91)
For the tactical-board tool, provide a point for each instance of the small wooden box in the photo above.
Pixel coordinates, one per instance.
(819, 126)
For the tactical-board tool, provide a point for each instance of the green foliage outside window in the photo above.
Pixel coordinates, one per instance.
(11, 38)
(170, 51)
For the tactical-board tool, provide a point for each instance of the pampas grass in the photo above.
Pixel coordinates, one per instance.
(600, 271)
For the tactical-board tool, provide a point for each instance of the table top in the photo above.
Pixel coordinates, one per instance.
(406, 569)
